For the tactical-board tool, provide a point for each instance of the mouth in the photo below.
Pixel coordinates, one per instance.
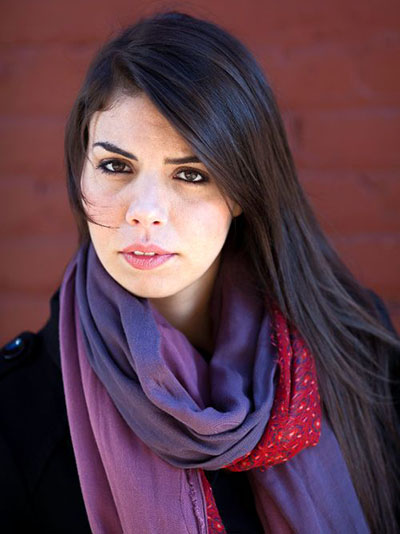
(146, 261)
(149, 249)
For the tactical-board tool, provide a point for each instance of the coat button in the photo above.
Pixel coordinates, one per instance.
(13, 349)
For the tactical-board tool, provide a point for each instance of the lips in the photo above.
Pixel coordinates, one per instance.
(144, 262)
(150, 247)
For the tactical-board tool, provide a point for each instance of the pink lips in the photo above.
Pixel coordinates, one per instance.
(146, 262)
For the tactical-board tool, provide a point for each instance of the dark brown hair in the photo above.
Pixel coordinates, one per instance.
(211, 89)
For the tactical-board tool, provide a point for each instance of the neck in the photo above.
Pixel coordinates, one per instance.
(188, 311)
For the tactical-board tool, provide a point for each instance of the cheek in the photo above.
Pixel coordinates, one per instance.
(206, 222)
(100, 238)
(104, 207)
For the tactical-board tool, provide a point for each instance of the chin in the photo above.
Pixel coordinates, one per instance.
(144, 284)
(150, 290)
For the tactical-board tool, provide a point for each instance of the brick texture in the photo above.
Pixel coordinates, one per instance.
(333, 66)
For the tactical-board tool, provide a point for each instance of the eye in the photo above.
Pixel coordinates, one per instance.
(193, 176)
(114, 166)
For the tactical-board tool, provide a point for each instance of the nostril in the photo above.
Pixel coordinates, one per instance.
(146, 217)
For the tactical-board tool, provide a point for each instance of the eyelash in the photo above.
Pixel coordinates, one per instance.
(102, 167)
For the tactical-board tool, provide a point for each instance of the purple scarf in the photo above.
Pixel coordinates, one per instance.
(147, 412)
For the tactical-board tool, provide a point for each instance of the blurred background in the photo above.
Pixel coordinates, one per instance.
(334, 66)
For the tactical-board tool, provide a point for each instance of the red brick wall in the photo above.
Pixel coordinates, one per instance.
(334, 66)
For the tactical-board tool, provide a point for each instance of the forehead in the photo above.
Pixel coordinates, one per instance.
(133, 118)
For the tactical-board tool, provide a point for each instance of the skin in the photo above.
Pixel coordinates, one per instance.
(150, 201)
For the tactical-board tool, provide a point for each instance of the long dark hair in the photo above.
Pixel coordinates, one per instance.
(211, 89)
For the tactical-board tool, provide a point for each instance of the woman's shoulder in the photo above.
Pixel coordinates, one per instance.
(32, 406)
(31, 390)
(32, 357)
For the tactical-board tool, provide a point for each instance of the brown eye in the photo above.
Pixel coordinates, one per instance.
(114, 166)
(192, 176)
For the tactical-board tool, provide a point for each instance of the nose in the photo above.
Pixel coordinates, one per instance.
(147, 204)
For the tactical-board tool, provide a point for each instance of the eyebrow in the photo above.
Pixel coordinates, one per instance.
(113, 148)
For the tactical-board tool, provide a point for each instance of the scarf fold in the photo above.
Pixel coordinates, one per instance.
(147, 413)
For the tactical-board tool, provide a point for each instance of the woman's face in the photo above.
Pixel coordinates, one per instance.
(136, 187)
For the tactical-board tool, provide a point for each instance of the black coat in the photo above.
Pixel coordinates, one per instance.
(40, 490)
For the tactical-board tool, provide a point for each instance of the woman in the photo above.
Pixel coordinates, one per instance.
(221, 369)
